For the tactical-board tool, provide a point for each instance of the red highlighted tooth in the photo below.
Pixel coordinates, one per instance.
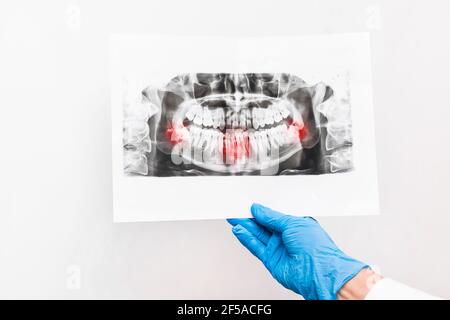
(174, 133)
(302, 129)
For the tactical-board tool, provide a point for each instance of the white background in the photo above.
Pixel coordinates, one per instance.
(56, 208)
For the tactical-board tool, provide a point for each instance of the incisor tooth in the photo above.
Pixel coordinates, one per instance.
(242, 120)
(234, 121)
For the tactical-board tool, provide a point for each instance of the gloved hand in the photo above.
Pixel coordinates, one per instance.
(297, 251)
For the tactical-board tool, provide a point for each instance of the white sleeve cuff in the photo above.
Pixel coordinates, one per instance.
(388, 289)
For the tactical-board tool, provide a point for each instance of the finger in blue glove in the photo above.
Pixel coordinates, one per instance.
(297, 252)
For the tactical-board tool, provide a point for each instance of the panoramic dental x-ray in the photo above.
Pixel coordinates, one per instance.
(207, 124)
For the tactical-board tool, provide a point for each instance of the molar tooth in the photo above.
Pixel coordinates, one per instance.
(283, 131)
(277, 117)
(261, 117)
(195, 134)
(209, 145)
(190, 114)
(273, 138)
(255, 118)
(216, 118)
(292, 135)
(199, 146)
(207, 117)
(187, 151)
(269, 116)
(261, 139)
(179, 133)
(209, 154)
(278, 135)
(253, 147)
(198, 120)
(284, 109)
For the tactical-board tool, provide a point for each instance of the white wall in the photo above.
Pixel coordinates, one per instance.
(55, 161)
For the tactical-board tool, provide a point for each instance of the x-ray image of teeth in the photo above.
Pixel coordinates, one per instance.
(239, 124)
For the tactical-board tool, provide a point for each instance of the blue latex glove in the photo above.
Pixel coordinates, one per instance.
(297, 251)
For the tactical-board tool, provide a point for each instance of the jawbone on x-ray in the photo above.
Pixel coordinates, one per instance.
(238, 124)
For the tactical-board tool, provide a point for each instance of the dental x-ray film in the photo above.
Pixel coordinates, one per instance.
(204, 118)
(238, 124)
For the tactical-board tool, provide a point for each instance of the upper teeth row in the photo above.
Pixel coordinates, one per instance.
(243, 119)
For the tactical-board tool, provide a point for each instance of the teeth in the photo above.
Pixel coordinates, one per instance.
(209, 145)
(253, 147)
(215, 118)
(261, 117)
(219, 151)
(187, 151)
(292, 135)
(248, 116)
(190, 114)
(229, 118)
(279, 136)
(207, 117)
(198, 119)
(240, 147)
(284, 110)
(273, 138)
(268, 116)
(283, 134)
(246, 146)
(196, 137)
(261, 139)
(254, 135)
(234, 121)
(242, 120)
(179, 133)
(255, 117)
(277, 117)
(221, 115)
(228, 148)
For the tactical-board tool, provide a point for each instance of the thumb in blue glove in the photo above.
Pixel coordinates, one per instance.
(297, 251)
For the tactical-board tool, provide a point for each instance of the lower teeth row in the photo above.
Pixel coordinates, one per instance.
(235, 146)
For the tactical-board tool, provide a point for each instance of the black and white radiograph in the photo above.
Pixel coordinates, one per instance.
(205, 124)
